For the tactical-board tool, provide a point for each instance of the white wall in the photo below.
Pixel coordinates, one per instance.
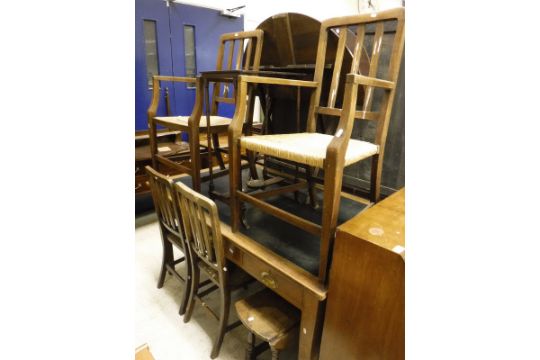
(258, 10)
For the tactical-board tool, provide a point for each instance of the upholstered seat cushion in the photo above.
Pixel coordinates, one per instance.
(183, 120)
(305, 148)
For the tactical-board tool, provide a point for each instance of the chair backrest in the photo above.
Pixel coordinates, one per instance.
(377, 33)
(202, 225)
(233, 45)
(167, 209)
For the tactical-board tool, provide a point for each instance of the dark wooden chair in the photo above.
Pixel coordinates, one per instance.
(172, 231)
(205, 246)
(269, 317)
(330, 152)
(197, 122)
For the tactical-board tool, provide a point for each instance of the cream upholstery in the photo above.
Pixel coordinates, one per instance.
(183, 120)
(305, 148)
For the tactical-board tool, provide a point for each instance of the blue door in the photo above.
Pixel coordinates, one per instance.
(175, 39)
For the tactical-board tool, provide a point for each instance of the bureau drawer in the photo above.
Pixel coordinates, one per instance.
(266, 274)
(141, 184)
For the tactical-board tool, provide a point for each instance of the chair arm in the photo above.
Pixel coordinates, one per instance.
(174, 78)
(155, 90)
(277, 81)
(370, 81)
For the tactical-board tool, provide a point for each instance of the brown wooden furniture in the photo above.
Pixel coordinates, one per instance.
(290, 44)
(231, 77)
(328, 152)
(365, 311)
(288, 279)
(171, 145)
(268, 316)
(143, 353)
(195, 123)
(206, 251)
(172, 231)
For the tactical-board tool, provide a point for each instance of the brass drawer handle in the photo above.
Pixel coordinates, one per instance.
(268, 280)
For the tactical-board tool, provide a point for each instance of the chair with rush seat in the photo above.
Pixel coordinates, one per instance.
(206, 250)
(196, 123)
(367, 96)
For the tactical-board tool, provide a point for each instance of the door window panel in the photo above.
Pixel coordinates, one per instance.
(150, 46)
(189, 53)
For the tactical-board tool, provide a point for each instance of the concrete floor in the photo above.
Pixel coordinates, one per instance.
(157, 322)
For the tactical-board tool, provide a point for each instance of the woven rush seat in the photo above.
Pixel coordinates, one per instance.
(183, 120)
(305, 148)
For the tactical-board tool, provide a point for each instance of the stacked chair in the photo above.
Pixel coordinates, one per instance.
(172, 232)
(196, 123)
(190, 222)
(331, 153)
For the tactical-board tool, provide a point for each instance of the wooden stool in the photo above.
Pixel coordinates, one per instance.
(269, 317)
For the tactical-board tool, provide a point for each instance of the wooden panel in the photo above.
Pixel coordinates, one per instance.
(365, 313)
(382, 224)
(272, 278)
(297, 276)
(141, 184)
(143, 353)
(234, 253)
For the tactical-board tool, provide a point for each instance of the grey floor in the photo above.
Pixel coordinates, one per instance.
(157, 322)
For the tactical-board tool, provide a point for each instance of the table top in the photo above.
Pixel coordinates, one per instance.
(383, 224)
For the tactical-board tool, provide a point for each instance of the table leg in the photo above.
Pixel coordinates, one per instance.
(310, 328)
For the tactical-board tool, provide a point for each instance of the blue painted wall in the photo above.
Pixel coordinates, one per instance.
(170, 21)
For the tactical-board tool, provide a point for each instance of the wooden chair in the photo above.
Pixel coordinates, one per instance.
(270, 317)
(172, 231)
(329, 152)
(196, 122)
(205, 246)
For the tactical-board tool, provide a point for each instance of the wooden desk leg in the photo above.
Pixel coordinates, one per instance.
(153, 142)
(310, 328)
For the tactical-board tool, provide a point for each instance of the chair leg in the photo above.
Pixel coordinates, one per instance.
(376, 173)
(167, 259)
(195, 159)
(333, 175)
(311, 188)
(275, 353)
(187, 286)
(243, 216)
(235, 182)
(224, 316)
(193, 290)
(153, 143)
(252, 158)
(217, 153)
(250, 346)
